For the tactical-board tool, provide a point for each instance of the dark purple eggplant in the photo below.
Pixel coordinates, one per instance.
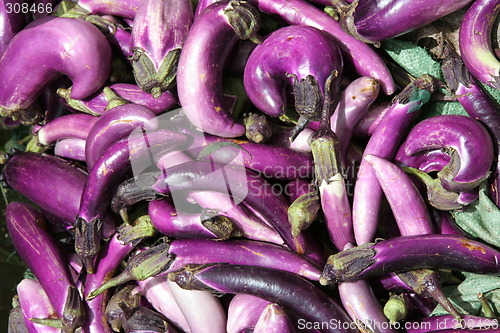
(88, 65)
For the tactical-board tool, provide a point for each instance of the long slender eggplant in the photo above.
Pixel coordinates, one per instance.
(114, 125)
(371, 120)
(375, 21)
(106, 176)
(244, 312)
(468, 167)
(158, 34)
(288, 57)
(199, 75)
(97, 103)
(49, 266)
(11, 22)
(298, 296)
(407, 253)
(71, 148)
(384, 143)
(126, 9)
(475, 42)
(364, 59)
(274, 319)
(79, 51)
(479, 105)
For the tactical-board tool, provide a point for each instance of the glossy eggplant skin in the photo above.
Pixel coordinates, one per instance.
(78, 50)
(10, 22)
(124, 8)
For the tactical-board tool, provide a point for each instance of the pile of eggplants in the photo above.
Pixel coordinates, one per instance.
(244, 166)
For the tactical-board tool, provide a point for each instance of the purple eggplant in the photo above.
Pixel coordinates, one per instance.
(445, 225)
(298, 296)
(114, 125)
(49, 267)
(268, 73)
(375, 21)
(12, 22)
(274, 319)
(158, 34)
(426, 161)
(364, 59)
(87, 65)
(384, 143)
(97, 103)
(475, 42)
(126, 8)
(407, 253)
(372, 118)
(199, 75)
(71, 148)
(297, 188)
(468, 167)
(244, 312)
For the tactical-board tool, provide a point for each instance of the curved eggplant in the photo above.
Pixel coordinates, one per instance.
(11, 22)
(71, 148)
(79, 50)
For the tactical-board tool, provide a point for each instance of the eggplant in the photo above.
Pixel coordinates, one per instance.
(199, 75)
(87, 65)
(73, 149)
(297, 188)
(364, 59)
(130, 296)
(269, 72)
(11, 22)
(126, 9)
(159, 31)
(274, 319)
(371, 120)
(384, 143)
(375, 21)
(457, 134)
(296, 295)
(475, 42)
(407, 253)
(243, 312)
(24, 224)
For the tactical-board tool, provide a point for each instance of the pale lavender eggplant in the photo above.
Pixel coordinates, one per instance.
(302, 142)
(384, 143)
(11, 22)
(159, 31)
(353, 105)
(114, 125)
(105, 178)
(371, 120)
(158, 293)
(97, 103)
(126, 9)
(239, 252)
(73, 149)
(75, 125)
(437, 323)
(35, 303)
(199, 75)
(112, 254)
(375, 21)
(269, 72)
(293, 293)
(244, 312)
(468, 167)
(364, 58)
(407, 253)
(202, 310)
(49, 267)
(475, 42)
(87, 65)
(274, 320)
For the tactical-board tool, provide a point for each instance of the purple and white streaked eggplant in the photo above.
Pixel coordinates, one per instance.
(114, 125)
(445, 322)
(79, 51)
(274, 319)
(478, 104)
(375, 21)
(199, 76)
(49, 267)
(244, 312)
(407, 253)
(11, 22)
(158, 293)
(475, 42)
(296, 295)
(200, 308)
(126, 9)
(384, 143)
(364, 59)
(158, 34)
(289, 57)
(97, 103)
(71, 148)
(35, 303)
(457, 134)
(105, 178)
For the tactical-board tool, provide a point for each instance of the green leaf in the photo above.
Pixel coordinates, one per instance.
(481, 219)
(414, 59)
(213, 147)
